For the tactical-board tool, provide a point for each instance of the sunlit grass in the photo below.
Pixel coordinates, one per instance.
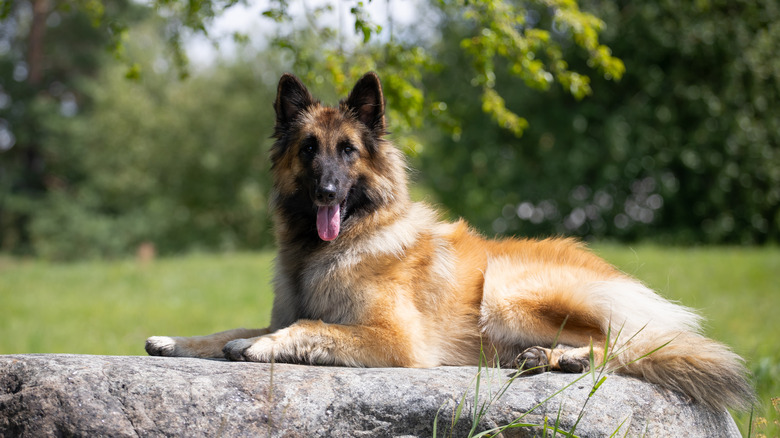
(111, 307)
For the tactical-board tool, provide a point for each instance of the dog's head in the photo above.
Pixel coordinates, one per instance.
(331, 164)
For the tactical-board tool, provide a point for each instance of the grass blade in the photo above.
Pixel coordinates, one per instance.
(436, 421)
(618, 428)
(560, 330)
(596, 386)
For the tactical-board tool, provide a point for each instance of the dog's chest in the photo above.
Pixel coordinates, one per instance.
(328, 290)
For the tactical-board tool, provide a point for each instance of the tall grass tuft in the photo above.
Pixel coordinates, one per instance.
(598, 374)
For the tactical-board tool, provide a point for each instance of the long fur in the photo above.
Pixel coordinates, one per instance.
(400, 287)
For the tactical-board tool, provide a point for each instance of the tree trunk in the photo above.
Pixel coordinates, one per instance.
(35, 48)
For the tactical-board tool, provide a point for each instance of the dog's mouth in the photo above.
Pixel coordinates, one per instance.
(329, 219)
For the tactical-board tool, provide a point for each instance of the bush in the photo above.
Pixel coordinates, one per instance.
(685, 148)
(181, 164)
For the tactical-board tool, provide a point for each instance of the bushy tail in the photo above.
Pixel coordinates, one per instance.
(706, 370)
(659, 341)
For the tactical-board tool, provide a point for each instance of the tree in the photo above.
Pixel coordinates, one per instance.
(529, 35)
(683, 149)
(42, 175)
(45, 48)
(525, 39)
(178, 163)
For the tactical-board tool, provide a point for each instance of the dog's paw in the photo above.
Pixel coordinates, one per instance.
(533, 360)
(234, 350)
(161, 346)
(249, 350)
(574, 363)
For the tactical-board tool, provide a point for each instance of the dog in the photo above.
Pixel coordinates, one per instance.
(367, 278)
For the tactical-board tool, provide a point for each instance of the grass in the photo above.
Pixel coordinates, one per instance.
(110, 307)
(481, 407)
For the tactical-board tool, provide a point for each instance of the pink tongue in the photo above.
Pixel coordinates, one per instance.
(329, 222)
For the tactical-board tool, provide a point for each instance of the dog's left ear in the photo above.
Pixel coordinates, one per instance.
(368, 103)
(292, 98)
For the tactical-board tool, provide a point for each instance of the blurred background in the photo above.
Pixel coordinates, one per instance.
(110, 138)
(131, 130)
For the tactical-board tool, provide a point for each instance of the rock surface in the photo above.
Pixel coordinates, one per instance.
(75, 395)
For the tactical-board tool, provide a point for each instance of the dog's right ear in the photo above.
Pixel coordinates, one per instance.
(292, 98)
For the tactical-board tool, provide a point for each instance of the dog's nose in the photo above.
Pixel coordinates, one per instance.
(326, 193)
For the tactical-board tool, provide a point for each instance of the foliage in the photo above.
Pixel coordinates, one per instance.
(510, 32)
(526, 38)
(684, 148)
(529, 35)
(179, 164)
(45, 57)
(100, 164)
(83, 180)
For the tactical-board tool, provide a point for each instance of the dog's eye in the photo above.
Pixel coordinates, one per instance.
(309, 146)
(347, 148)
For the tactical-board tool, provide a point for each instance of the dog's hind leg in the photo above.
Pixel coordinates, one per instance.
(198, 346)
(540, 316)
(560, 358)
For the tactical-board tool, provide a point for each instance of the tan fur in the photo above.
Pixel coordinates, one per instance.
(399, 287)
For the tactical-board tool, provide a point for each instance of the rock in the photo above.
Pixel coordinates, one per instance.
(64, 395)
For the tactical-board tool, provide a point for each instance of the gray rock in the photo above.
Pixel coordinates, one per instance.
(74, 395)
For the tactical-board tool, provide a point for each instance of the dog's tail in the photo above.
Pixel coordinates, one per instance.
(706, 370)
(670, 351)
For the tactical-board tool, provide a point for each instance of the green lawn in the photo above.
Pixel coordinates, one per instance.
(111, 307)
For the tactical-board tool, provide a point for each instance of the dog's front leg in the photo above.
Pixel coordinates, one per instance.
(315, 342)
(197, 346)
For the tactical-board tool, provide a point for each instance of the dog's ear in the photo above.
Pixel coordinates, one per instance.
(292, 98)
(368, 103)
